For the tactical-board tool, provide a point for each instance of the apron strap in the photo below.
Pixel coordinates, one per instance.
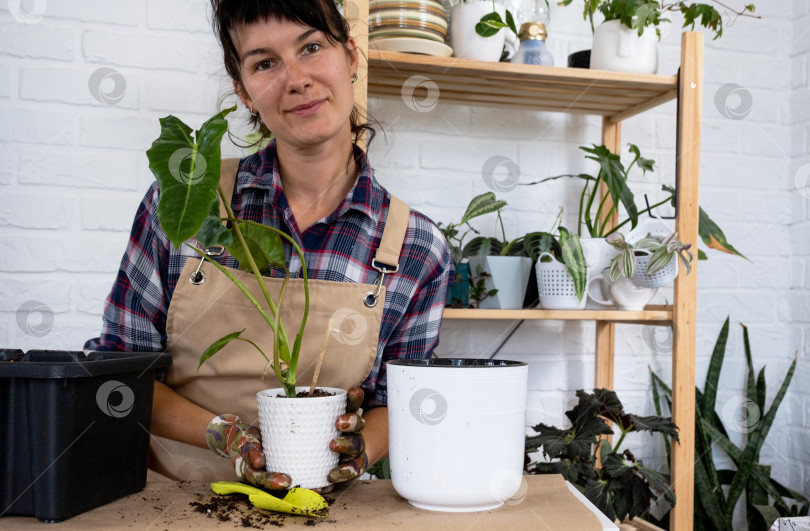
(227, 181)
(396, 224)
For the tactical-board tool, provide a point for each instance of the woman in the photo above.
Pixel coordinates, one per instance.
(292, 64)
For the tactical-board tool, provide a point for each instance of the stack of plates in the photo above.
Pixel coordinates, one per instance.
(417, 26)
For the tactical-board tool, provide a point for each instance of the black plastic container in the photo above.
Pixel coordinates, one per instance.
(74, 429)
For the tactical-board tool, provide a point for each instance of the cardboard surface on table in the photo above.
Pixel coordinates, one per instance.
(165, 504)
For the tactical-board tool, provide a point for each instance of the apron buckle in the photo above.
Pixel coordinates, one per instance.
(372, 296)
(198, 277)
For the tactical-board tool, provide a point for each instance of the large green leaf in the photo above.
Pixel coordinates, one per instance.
(534, 244)
(574, 260)
(713, 376)
(752, 448)
(213, 232)
(482, 246)
(482, 204)
(187, 171)
(713, 236)
(264, 245)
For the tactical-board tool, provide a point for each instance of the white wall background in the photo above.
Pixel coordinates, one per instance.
(73, 171)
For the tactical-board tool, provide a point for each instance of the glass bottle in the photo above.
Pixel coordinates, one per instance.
(532, 49)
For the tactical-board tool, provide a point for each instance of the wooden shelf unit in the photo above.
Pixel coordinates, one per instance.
(658, 315)
(614, 96)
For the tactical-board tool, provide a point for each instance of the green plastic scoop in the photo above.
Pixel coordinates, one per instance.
(300, 501)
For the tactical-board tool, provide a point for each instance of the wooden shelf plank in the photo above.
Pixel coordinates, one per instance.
(617, 95)
(660, 315)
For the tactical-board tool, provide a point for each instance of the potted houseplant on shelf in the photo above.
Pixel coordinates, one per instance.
(562, 274)
(475, 29)
(717, 491)
(620, 486)
(644, 264)
(187, 168)
(505, 265)
(621, 42)
(455, 234)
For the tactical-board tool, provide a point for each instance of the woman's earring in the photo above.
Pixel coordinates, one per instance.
(355, 77)
(253, 113)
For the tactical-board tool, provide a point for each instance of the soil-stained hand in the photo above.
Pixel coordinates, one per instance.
(350, 445)
(228, 436)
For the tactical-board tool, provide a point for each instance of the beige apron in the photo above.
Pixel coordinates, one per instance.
(201, 313)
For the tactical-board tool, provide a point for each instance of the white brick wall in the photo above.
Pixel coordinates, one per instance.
(74, 171)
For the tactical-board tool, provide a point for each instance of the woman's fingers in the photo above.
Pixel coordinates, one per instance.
(350, 423)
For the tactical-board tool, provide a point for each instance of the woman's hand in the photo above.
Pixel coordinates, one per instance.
(227, 436)
(350, 445)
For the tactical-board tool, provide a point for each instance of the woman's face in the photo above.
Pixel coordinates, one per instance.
(297, 80)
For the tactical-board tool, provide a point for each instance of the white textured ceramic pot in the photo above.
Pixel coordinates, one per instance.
(619, 48)
(296, 434)
(508, 274)
(466, 43)
(443, 416)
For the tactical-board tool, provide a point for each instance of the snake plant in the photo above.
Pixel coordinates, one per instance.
(717, 491)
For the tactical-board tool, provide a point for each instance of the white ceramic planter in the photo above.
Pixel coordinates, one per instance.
(623, 293)
(598, 254)
(466, 43)
(456, 431)
(296, 434)
(619, 48)
(509, 275)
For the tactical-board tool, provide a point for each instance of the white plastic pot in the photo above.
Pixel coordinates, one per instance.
(466, 43)
(619, 48)
(296, 434)
(509, 275)
(457, 431)
(660, 278)
(556, 287)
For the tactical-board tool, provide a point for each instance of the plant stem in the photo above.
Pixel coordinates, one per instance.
(619, 442)
(625, 222)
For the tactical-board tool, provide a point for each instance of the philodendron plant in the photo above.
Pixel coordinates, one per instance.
(186, 164)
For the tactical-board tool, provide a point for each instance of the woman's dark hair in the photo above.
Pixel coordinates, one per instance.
(322, 15)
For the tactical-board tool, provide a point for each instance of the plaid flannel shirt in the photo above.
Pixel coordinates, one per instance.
(339, 248)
